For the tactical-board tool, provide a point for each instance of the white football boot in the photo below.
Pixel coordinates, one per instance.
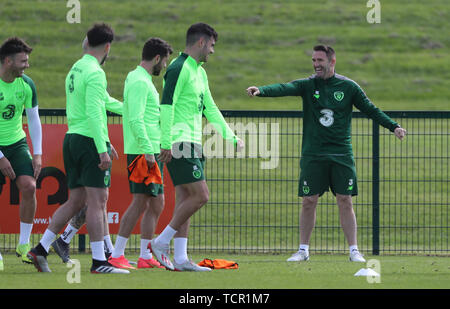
(356, 256)
(300, 255)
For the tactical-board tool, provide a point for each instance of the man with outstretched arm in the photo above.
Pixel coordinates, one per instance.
(327, 156)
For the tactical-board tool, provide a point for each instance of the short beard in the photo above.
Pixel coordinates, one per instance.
(325, 72)
(204, 58)
(18, 72)
(157, 69)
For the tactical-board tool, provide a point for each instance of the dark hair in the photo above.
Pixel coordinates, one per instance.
(328, 50)
(198, 30)
(100, 34)
(155, 46)
(13, 46)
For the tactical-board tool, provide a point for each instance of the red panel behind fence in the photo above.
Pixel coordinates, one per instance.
(52, 189)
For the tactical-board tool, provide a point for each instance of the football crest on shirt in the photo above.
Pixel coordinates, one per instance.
(338, 95)
(20, 95)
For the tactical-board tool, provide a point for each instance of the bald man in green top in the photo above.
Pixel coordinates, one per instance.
(86, 151)
(142, 136)
(186, 97)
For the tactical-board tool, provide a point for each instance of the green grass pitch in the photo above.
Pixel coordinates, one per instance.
(255, 272)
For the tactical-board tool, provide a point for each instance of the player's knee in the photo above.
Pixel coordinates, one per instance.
(28, 188)
(140, 201)
(203, 198)
(200, 194)
(103, 197)
(98, 201)
(344, 202)
(103, 201)
(158, 205)
(310, 202)
(154, 205)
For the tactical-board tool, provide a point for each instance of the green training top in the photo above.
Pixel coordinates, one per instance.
(14, 97)
(141, 130)
(327, 106)
(87, 101)
(185, 97)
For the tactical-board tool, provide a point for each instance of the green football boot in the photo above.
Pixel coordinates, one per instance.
(22, 250)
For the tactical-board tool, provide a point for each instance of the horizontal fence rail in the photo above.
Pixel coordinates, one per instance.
(402, 206)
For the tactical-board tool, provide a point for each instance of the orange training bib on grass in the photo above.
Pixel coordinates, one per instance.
(218, 264)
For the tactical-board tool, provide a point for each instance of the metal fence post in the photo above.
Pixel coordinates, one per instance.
(81, 243)
(375, 188)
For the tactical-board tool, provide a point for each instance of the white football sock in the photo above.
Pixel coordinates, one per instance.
(25, 232)
(180, 250)
(68, 233)
(304, 247)
(47, 239)
(108, 243)
(354, 247)
(119, 248)
(145, 252)
(166, 235)
(98, 251)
